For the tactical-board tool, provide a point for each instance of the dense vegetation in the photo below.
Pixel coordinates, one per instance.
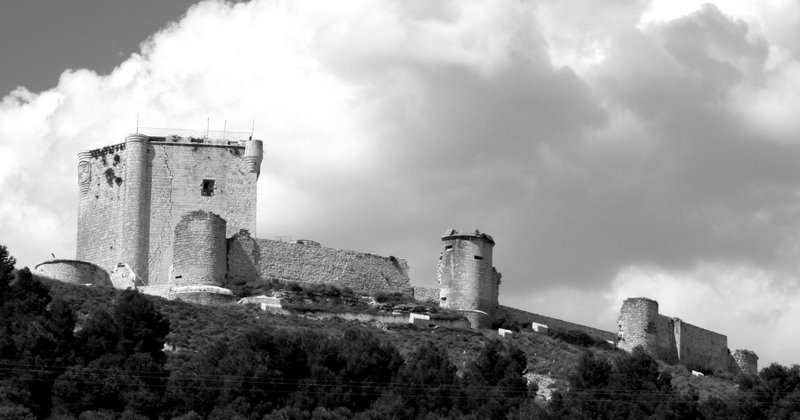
(239, 364)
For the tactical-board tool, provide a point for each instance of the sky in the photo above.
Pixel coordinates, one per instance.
(612, 148)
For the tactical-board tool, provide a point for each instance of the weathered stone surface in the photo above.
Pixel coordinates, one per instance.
(426, 294)
(251, 259)
(747, 361)
(467, 279)
(138, 191)
(75, 272)
(671, 339)
(200, 256)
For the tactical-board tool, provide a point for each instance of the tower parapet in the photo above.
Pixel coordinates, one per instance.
(467, 279)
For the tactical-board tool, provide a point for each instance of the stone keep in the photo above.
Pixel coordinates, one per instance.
(467, 280)
(134, 194)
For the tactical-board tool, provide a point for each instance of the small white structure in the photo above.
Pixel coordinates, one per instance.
(540, 328)
(422, 320)
(696, 373)
(504, 332)
(266, 303)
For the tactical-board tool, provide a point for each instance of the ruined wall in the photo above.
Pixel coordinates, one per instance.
(134, 194)
(747, 361)
(75, 272)
(701, 349)
(670, 339)
(426, 294)
(100, 205)
(200, 256)
(466, 276)
(263, 259)
(517, 315)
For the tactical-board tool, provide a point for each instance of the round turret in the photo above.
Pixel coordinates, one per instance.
(253, 154)
(73, 271)
(136, 222)
(200, 250)
(747, 361)
(637, 324)
(466, 276)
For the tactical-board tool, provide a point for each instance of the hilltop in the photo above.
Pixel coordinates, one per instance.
(551, 358)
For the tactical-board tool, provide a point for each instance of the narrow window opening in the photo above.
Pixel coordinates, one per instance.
(207, 188)
(443, 299)
(178, 277)
(478, 257)
(448, 247)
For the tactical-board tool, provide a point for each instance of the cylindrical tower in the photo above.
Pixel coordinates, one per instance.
(747, 361)
(136, 218)
(466, 276)
(253, 154)
(637, 324)
(73, 271)
(84, 182)
(200, 250)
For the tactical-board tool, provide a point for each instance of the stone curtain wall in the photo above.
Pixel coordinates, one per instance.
(263, 259)
(637, 324)
(75, 272)
(200, 256)
(701, 349)
(671, 339)
(517, 315)
(426, 294)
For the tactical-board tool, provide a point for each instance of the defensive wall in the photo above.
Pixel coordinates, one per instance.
(251, 259)
(425, 294)
(133, 195)
(72, 271)
(520, 316)
(672, 339)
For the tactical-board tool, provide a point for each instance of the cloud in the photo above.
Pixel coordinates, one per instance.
(592, 139)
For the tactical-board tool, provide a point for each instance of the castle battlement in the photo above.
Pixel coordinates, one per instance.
(172, 215)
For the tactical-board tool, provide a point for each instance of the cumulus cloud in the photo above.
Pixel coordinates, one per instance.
(597, 141)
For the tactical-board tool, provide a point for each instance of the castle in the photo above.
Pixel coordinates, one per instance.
(173, 216)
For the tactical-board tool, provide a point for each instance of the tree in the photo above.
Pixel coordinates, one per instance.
(427, 383)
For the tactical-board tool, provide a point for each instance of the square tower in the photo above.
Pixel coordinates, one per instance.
(133, 194)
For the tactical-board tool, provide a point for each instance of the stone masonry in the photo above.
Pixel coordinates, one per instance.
(75, 272)
(673, 340)
(467, 279)
(133, 194)
(251, 259)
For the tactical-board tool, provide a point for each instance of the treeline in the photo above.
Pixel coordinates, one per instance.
(113, 367)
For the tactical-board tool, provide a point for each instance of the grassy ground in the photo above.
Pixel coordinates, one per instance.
(194, 326)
